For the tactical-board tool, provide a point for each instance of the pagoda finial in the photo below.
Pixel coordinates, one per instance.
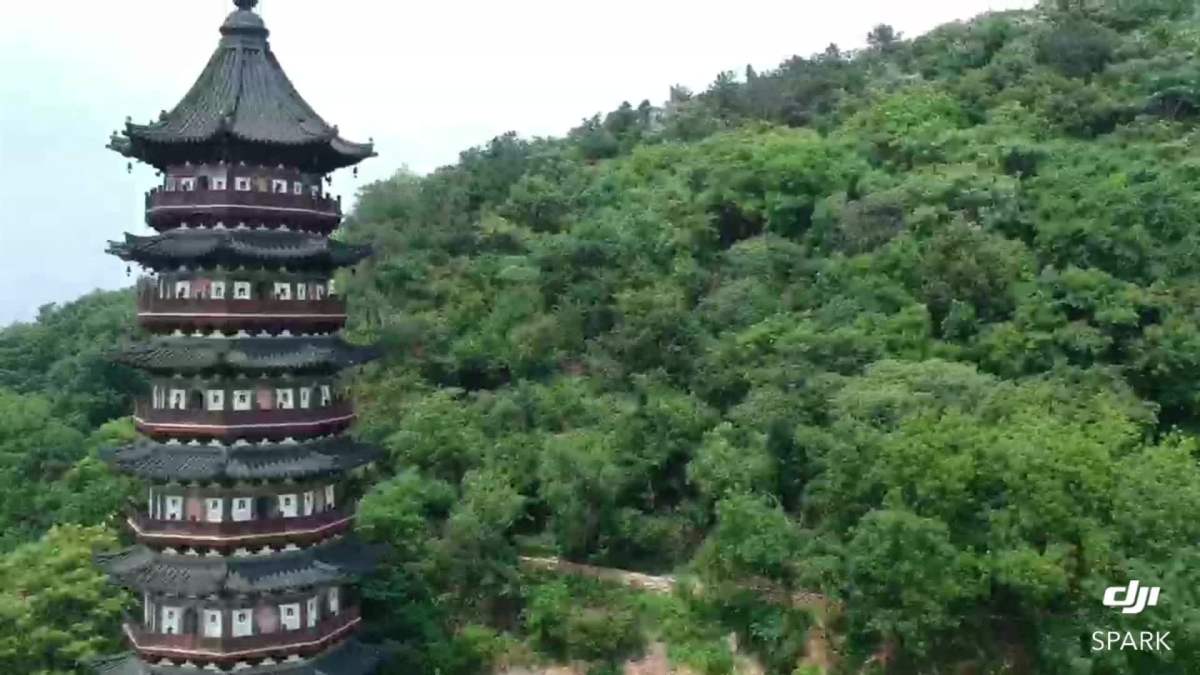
(246, 4)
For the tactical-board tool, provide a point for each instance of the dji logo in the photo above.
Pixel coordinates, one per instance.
(1131, 599)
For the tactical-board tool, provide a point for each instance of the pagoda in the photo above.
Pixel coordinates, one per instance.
(244, 560)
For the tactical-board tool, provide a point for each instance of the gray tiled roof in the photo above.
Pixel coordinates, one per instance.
(243, 94)
(209, 246)
(138, 567)
(262, 461)
(245, 355)
(348, 658)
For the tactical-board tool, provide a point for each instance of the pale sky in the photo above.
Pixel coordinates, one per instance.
(424, 79)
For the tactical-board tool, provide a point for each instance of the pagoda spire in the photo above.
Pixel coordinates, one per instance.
(246, 4)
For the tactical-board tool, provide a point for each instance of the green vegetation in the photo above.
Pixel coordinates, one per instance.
(913, 328)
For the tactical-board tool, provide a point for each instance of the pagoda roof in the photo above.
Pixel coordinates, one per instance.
(144, 569)
(242, 98)
(209, 247)
(193, 355)
(348, 658)
(262, 461)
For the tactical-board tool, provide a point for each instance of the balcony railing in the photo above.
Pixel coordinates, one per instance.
(156, 312)
(270, 424)
(301, 529)
(164, 207)
(199, 648)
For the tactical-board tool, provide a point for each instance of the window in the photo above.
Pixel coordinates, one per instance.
(217, 290)
(174, 508)
(241, 290)
(334, 601)
(301, 291)
(287, 506)
(147, 610)
(178, 399)
(218, 183)
(212, 623)
(315, 191)
(332, 288)
(216, 400)
(242, 626)
(318, 292)
(283, 290)
(305, 397)
(241, 509)
(262, 184)
(187, 184)
(183, 289)
(172, 185)
(291, 616)
(326, 395)
(214, 510)
(283, 399)
(297, 188)
(242, 400)
(310, 500)
(159, 398)
(329, 497)
(170, 620)
(279, 186)
(242, 183)
(313, 612)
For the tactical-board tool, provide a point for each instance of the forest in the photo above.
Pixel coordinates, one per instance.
(911, 330)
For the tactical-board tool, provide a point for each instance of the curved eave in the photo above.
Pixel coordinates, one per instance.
(267, 461)
(142, 569)
(347, 658)
(244, 355)
(161, 150)
(234, 247)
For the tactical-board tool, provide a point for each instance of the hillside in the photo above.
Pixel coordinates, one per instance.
(913, 328)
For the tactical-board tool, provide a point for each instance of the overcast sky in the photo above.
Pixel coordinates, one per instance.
(425, 79)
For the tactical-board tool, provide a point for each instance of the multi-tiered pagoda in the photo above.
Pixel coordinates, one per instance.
(245, 560)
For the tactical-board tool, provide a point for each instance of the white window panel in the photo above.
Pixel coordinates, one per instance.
(329, 497)
(284, 399)
(171, 619)
(288, 506)
(243, 399)
(212, 623)
(310, 502)
(326, 395)
(174, 508)
(242, 183)
(301, 291)
(314, 613)
(178, 399)
(183, 289)
(214, 510)
(305, 397)
(289, 616)
(218, 183)
(241, 290)
(216, 400)
(241, 509)
(283, 290)
(279, 186)
(217, 290)
(335, 600)
(297, 188)
(243, 624)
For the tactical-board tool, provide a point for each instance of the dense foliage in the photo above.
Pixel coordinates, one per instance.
(913, 328)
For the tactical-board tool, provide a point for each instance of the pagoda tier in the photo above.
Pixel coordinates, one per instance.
(234, 249)
(195, 462)
(245, 560)
(339, 561)
(348, 658)
(243, 107)
(245, 355)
